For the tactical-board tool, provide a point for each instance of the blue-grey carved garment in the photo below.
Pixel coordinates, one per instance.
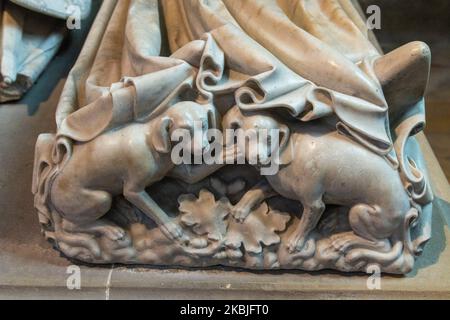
(31, 32)
(61, 9)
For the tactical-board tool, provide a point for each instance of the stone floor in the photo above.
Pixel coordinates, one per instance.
(30, 268)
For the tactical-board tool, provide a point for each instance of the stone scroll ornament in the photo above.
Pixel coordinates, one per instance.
(351, 190)
(31, 32)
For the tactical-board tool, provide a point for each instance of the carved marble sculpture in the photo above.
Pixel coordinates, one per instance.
(31, 32)
(350, 190)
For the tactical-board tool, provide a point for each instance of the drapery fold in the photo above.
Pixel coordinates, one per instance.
(251, 52)
(301, 51)
(127, 79)
(319, 17)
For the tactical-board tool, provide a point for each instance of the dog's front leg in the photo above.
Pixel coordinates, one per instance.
(253, 198)
(146, 204)
(312, 212)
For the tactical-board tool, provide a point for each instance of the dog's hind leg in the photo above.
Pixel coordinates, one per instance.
(369, 230)
(83, 212)
(386, 234)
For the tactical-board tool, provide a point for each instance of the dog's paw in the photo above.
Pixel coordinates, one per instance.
(295, 244)
(243, 209)
(198, 243)
(113, 233)
(175, 232)
(341, 243)
(240, 212)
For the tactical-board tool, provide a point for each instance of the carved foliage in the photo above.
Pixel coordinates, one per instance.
(212, 218)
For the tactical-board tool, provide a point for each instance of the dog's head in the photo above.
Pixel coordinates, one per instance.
(256, 123)
(187, 116)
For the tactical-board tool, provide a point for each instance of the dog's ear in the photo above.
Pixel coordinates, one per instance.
(213, 117)
(286, 151)
(232, 119)
(285, 133)
(230, 124)
(161, 137)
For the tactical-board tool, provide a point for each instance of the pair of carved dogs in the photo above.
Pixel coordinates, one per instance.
(324, 168)
(327, 168)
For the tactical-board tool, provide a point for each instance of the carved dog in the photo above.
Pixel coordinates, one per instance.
(326, 167)
(126, 161)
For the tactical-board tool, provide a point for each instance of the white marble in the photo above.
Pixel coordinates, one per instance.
(351, 190)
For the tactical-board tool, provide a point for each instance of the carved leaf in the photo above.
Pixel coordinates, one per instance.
(205, 215)
(260, 227)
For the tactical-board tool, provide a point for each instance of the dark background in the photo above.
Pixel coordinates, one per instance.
(403, 21)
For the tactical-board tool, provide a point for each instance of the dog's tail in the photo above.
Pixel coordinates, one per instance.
(415, 180)
(43, 168)
(413, 177)
(51, 154)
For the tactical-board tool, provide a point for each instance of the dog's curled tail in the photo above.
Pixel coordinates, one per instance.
(416, 182)
(51, 154)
